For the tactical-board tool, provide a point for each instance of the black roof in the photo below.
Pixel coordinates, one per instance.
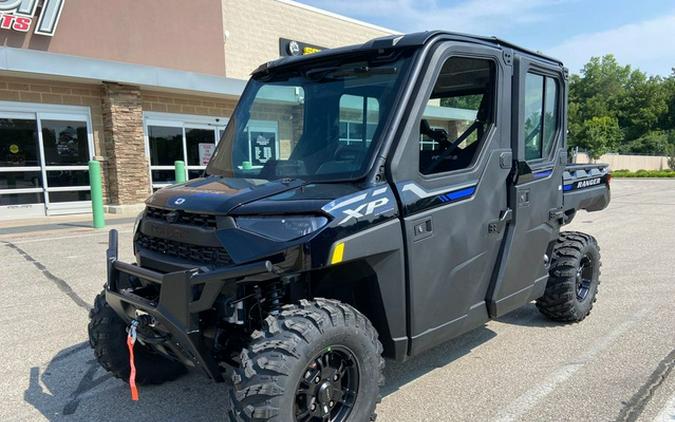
(401, 41)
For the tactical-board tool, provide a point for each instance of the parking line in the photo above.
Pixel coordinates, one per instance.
(527, 401)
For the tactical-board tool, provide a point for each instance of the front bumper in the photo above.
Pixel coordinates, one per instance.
(176, 311)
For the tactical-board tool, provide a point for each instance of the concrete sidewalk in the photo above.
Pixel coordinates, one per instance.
(61, 222)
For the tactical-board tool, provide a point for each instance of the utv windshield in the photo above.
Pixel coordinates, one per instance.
(319, 122)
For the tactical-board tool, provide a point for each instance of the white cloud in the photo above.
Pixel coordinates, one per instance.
(648, 45)
(470, 16)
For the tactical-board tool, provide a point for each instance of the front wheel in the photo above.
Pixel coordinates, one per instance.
(574, 277)
(316, 361)
(108, 336)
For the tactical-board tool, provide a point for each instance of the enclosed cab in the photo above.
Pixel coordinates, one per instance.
(364, 202)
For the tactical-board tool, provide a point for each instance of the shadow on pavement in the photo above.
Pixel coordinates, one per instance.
(74, 387)
(398, 374)
(528, 316)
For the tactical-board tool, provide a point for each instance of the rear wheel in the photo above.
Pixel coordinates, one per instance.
(574, 277)
(317, 361)
(108, 336)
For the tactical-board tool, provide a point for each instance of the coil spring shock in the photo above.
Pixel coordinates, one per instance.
(273, 302)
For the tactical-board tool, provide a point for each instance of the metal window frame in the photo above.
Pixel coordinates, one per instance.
(40, 112)
(183, 121)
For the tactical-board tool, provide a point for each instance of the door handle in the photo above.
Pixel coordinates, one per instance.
(422, 228)
(505, 217)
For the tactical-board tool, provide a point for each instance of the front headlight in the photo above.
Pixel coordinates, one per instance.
(282, 228)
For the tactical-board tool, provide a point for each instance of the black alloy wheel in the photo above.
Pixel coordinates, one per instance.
(315, 361)
(328, 389)
(574, 277)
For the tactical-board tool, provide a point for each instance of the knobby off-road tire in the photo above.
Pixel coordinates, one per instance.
(108, 338)
(289, 355)
(574, 277)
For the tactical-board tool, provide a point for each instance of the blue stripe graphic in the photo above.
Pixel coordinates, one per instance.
(543, 173)
(567, 187)
(457, 195)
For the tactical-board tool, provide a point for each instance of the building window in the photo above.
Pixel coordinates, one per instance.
(171, 138)
(541, 115)
(357, 113)
(457, 116)
(44, 155)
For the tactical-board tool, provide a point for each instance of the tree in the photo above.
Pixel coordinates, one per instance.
(597, 92)
(643, 106)
(600, 135)
(652, 142)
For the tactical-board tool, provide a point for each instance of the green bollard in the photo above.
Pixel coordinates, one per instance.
(96, 194)
(180, 172)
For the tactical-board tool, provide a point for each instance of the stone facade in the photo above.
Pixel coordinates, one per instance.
(126, 162)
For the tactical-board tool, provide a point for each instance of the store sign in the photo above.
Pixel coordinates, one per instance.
(205, 153)
(263, 146)
(296, 48)
(18, 15)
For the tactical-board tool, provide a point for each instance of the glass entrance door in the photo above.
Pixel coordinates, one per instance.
(21, 182)
(43, 163)
(171, 139)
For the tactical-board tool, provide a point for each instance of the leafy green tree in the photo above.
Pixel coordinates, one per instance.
(597, 92)
(652, 142)
(668, 119)
(643, 106)
(600, 135)
(471, 102)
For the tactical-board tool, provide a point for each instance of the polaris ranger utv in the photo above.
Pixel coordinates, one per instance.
(364, 203)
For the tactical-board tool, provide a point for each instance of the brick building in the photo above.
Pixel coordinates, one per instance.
(136, 85)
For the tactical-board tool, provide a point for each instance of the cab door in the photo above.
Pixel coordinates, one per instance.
(450, 172)
(535, 191)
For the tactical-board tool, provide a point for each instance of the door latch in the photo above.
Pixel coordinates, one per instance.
(505, 217)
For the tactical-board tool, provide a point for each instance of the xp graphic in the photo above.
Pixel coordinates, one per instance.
(18, 15)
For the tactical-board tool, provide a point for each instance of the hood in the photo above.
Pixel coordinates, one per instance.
(217, 194)
(223, 195)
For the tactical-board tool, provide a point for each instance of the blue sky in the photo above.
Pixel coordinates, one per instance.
(638, 32)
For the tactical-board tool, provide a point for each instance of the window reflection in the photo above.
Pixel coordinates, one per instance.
(65, 142)
(19, 143)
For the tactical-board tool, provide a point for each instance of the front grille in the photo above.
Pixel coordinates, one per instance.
(182, 217)
(204, 254)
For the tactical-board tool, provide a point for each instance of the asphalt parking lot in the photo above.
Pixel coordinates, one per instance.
(615, 365)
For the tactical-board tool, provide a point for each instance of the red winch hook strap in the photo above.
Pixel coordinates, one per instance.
(131, 339)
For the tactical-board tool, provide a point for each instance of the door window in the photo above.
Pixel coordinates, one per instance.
(166, 145)
(541, 115)
(44, 161)
(200, 144)
(19, 143)
(457, 115)
(65, 142)
(170, 139)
